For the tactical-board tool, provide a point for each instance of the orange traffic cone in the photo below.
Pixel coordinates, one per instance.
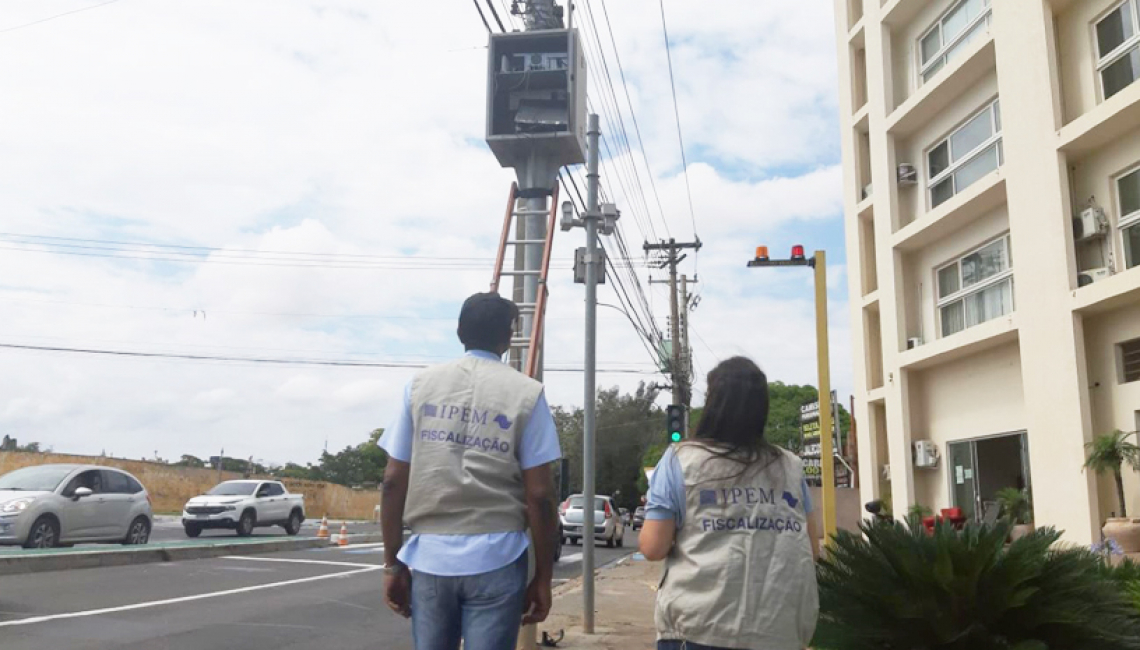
(323, 531)
(343, 541)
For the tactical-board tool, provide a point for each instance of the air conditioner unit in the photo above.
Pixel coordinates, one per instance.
(1085, 278)
(913, 342)
(1091, 222)
(907, 174)
(867, 189)
(925, 454)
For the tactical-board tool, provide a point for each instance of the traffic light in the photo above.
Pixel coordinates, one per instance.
(675, 421)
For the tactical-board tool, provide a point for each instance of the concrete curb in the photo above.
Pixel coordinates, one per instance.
(41, 562)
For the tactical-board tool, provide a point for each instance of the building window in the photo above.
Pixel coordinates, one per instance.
(951, 34)
(1128, 194)
(971, 152)
(976, 287)
(1130, 360)
(1118, 47)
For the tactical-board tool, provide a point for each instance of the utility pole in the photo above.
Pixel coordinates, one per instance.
(686, 349)
(672, 248)
(598, 219)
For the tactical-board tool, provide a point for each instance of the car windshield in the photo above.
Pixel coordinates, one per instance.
(233, 489)
(35, 479)
(576, 502)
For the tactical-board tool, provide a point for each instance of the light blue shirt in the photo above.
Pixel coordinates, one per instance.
(464, 555)
(666, 498)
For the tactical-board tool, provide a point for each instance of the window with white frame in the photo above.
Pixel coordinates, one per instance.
(969, 153)
(957, 28)
(976, 287)
(1118, 47)
(1128, 198)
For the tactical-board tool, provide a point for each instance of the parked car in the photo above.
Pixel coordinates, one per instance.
(638, 517)
(242, 506)
(626, 517)
(45, 506)
(608, 526)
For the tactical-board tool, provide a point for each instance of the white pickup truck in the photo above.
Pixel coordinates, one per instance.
(243, 505)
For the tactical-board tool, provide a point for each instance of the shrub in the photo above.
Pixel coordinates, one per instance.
(897, 588)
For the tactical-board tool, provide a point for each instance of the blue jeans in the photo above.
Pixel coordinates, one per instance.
(673, 644)
(485, 610)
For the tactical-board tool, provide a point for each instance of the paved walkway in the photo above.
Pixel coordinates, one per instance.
(624, 597)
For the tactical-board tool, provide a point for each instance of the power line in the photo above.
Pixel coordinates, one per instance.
(482, 16)
(496, 15)
(268, 360)
(66, 13)
(677, 115)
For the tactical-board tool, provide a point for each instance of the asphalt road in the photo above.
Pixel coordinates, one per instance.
(166, 530)
(304, 599)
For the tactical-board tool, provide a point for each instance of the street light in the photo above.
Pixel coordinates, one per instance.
(818, 262)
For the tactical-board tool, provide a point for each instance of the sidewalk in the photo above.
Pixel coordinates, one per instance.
(624, 597)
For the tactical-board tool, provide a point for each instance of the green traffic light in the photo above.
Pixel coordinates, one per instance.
(676, 436)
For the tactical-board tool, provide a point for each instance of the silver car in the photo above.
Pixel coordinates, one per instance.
(608, 525)
(45, 506)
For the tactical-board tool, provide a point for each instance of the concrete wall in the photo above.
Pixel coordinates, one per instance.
(848, 508)
(171, 487)
(1076, 45)
(913, 201)
(977, 396)
(1096, 175)
(920, 284)
(1114, 404)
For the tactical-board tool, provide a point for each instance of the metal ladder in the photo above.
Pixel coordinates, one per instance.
(528, 341)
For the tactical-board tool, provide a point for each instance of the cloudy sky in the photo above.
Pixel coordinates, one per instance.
(342, 128)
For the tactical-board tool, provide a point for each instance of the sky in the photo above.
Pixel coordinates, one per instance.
(356, 128)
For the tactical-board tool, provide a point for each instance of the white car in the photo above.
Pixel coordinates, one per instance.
(242, 506)
(608, 526)
(45, 506)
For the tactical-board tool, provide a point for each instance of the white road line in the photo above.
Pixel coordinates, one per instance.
(295, 561)
(573, 557)
(184, 599)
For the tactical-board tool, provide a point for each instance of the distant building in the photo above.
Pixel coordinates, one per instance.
(991, 155)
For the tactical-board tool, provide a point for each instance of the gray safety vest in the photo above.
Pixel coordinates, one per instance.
(465, 477)
(740, 574)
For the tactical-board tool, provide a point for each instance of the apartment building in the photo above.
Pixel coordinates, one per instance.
(991, 154)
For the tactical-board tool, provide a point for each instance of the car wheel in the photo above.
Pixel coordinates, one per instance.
(245, 524)
(138, 533)
(610, 540)
(44, 534)
(192, 530)
(557, 552)
(294, 525)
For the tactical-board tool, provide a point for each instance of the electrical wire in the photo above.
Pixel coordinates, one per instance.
(66, 13)
(269, 360)
(677, 115)
(482, 16)
(495, 14)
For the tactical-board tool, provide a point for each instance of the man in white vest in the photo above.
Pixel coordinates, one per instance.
(468, 471)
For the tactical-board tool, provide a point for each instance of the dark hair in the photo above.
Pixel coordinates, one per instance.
(486, 322)
(736, 412)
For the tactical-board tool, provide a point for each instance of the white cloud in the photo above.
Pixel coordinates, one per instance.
(354, 128)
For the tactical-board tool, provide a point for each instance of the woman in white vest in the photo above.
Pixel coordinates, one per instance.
(728, 512)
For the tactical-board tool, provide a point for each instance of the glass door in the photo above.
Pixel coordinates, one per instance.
(963, 465)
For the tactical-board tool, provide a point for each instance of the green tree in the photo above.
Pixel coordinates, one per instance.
(627, 424)
(1107, 453)
(354, 466)
(190, 461)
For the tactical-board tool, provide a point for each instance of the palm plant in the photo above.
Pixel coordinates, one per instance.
(1015, 505)
(1108, 452)
(894, 587)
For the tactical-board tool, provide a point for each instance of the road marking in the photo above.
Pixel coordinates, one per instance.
(183, 599)
(295, 561)
(573, 557)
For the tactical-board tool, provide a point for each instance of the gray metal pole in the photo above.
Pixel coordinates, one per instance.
(591, 218)
(678, 385)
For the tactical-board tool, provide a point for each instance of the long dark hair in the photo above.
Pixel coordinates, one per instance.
(736, 413)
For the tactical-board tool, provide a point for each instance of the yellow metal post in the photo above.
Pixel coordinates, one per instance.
(827, 452)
